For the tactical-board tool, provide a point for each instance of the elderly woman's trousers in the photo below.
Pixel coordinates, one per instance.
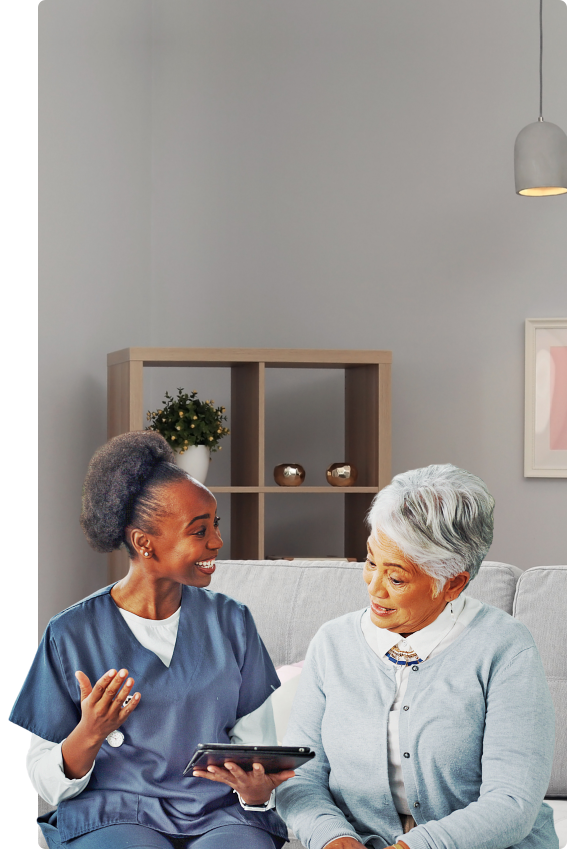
(133, 836)
(408, 822)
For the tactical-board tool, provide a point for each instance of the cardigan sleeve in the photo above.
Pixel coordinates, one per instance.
(305, 802)
(517, 757)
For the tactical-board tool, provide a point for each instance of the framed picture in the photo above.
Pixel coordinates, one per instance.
(545, 440)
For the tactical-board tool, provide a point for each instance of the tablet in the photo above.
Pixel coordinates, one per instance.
(272, 758)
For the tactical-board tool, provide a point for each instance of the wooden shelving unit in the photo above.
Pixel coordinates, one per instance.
(367, 429)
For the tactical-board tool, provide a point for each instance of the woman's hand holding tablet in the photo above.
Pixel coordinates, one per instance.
(252, 771)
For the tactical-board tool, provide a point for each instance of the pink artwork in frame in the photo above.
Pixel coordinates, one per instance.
(545, 443)
(558, 413)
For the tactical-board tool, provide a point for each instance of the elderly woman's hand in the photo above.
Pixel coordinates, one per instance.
(351, 843)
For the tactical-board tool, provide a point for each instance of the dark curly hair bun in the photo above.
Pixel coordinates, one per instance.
(116, 477)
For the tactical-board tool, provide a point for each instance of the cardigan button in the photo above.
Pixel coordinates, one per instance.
(406, 707)
(415, 668)
(406, 754)
(416, 804)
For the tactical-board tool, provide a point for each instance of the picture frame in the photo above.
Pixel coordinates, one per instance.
(545, 437)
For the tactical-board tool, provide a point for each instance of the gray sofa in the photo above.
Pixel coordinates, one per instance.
(290, 600)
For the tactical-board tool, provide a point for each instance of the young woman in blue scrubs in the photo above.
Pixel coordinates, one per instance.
(119, 754)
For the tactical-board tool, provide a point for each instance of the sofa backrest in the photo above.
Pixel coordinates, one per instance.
(541, 604)
(495, 584)
(290, 600)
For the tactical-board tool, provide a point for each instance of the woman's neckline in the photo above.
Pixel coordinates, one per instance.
(121, 606)
(169, 620)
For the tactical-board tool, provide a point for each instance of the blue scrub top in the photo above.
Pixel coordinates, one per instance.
(220, 671)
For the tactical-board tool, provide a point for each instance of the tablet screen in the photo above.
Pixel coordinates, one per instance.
(272, 758)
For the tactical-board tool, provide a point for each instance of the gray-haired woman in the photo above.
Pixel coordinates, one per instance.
(429, 711)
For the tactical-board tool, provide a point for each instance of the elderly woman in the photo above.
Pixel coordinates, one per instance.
(112, 759)
(429, 711)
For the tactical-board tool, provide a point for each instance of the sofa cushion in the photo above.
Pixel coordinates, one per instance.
(495, 584)
(290, 600)
(540, 601)
(283, 697)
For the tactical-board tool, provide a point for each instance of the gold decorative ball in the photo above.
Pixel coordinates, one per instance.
(342, 474)
(289, 474)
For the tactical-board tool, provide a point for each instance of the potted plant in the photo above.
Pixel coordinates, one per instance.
(192, 427)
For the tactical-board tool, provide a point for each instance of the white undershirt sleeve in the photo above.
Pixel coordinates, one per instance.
(45, 768)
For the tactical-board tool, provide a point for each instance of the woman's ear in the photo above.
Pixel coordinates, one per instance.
(140, 542)
(454, 586)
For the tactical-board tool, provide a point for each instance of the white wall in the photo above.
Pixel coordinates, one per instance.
(314, 173)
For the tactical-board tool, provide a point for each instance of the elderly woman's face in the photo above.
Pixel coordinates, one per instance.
(401, 595)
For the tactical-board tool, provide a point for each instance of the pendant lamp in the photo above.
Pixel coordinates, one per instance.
(540, 152)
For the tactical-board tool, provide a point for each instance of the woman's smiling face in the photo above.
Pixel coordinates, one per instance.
(401, 595)
(186, 546)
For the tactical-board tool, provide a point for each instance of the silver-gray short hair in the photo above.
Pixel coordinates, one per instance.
(440, 517)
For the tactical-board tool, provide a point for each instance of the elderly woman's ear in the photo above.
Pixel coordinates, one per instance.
(454, 586)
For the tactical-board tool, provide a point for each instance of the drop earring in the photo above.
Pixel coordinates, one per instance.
(452, 612)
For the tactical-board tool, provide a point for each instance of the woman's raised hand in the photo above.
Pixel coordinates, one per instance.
(102, 711)
(255, 787)
(102, 706)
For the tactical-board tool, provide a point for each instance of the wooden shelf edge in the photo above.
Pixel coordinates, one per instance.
(345, 490)
(272, 357)
(321, 489)
(235, 489)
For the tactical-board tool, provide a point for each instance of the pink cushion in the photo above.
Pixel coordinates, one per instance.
(292, 670)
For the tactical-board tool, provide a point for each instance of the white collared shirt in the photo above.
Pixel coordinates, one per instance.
(428, 642)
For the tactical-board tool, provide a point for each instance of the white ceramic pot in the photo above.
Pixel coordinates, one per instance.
(195, 461)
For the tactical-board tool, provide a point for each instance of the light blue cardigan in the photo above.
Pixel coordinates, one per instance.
(476, 735)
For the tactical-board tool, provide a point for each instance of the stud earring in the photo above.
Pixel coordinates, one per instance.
(146, 553)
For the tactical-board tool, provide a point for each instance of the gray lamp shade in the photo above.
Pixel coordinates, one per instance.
(540, 160)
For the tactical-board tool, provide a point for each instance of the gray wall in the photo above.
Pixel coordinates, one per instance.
(94, 255)
(314, 173)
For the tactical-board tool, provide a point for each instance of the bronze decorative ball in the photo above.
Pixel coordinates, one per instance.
(342, 474)
(289, 474)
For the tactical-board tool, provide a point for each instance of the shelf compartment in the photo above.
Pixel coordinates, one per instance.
(247, 526)
(247, 424)
(356, 533)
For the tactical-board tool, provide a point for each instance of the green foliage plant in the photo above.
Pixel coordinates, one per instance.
(186, 421)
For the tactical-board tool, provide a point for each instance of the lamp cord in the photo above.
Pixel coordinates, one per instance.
(541, 60)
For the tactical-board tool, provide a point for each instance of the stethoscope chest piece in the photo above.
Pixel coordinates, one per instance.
(115, 739)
